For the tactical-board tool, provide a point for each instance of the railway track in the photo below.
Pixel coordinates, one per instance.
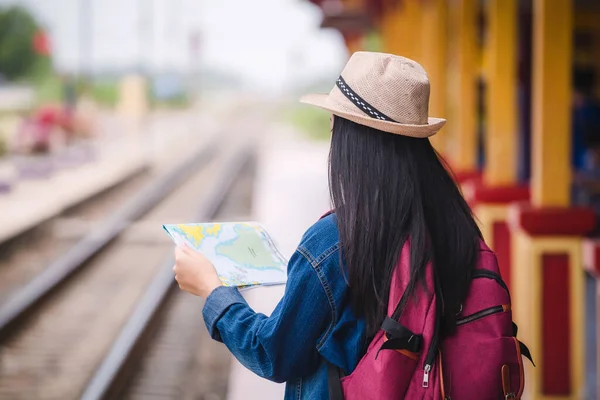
(64, 335)
(98, 238)
(165, 351)
(20, 263)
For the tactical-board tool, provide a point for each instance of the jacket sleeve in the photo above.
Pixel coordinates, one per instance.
(283, 346)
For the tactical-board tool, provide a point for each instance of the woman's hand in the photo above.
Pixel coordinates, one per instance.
(194, 273)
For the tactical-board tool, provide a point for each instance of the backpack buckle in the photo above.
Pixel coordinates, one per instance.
(509, 396)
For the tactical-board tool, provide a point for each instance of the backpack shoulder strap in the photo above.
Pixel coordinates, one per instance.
(334, 382)
(522, 348)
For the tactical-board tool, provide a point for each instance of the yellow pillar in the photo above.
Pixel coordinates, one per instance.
(433, 57)
(499, 190)
(392, 23)
(534, 277)
(412, 29)
(462, 109)
(551, 111)
(548, 301)
(133, 101)
(501, 135)
(401, 26)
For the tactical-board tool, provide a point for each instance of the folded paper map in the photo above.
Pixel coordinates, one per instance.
(242, 252)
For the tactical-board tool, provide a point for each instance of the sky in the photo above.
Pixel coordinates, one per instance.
(268, 43)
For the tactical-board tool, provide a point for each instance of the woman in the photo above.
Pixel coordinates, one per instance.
(387, 185)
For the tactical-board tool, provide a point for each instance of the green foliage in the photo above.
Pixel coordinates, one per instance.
(105, 92)
(18, 58)
(40, 70)
(372, 41)
(49, 90)
(3, 145)
(179, 101)
(315, 123)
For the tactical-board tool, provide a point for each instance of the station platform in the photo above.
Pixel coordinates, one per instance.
(32, 201)
(163, 140)
(291, 193)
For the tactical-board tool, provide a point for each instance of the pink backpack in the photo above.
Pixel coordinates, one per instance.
(482, 360)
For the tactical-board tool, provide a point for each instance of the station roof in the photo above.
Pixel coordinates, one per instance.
(348, 22)
(373, 7)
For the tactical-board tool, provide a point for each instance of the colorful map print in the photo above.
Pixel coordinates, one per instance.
(242, 252)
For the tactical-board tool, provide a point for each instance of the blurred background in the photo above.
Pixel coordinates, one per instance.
(119, 116)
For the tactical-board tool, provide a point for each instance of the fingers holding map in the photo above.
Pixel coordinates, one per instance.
(242, 252)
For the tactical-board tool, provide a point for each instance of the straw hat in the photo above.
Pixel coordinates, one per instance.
(383, 91)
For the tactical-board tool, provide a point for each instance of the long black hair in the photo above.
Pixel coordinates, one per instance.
(386, 188)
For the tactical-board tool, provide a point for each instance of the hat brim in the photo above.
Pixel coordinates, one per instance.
(321, 100)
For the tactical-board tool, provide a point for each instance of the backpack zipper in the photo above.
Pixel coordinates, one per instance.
(433, 346)
(426, 375)
(430, 358)
(429, 361)
(480, 314)
(483, 273)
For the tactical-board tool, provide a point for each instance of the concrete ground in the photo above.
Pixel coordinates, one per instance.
(291, 193)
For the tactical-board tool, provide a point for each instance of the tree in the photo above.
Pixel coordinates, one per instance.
(19, 43)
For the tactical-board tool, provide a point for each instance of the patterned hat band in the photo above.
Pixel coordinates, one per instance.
(360, 102)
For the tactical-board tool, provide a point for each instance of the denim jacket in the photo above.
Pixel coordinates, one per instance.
(313, 323)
